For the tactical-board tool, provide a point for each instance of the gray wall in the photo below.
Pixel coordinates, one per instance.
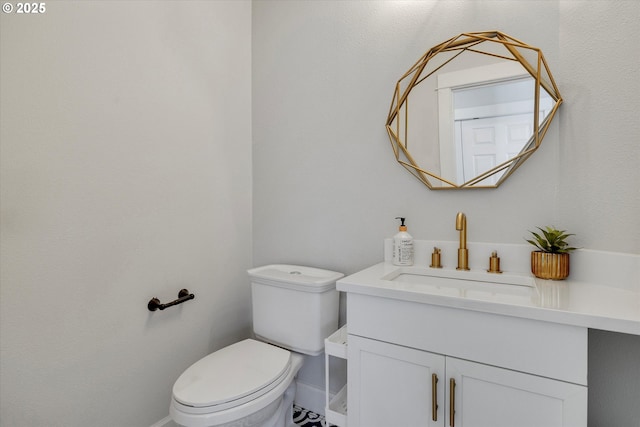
(614, 379)
(126, 174)
(326, 186)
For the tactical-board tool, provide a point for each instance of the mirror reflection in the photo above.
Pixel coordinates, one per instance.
(471, 110)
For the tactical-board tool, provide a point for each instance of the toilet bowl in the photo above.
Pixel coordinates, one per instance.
(249, 383)
(252, 382)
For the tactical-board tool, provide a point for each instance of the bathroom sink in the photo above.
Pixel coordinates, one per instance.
(504, 287)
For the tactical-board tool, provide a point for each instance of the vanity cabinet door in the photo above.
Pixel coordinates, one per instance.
(487, 396)
(394, 386)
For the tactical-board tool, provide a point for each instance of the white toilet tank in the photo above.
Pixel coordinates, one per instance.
(294, 307)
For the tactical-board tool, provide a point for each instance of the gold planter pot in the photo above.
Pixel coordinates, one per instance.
(550, 266)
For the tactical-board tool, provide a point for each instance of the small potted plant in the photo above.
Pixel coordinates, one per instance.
(551, 260)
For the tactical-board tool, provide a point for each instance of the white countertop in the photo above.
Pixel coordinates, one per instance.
(589, 298)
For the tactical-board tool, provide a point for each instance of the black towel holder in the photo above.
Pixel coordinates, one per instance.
(183, 296)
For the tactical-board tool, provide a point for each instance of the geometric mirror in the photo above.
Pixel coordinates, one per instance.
(472, 110)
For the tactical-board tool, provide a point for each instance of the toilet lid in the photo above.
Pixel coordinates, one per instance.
(241, 369)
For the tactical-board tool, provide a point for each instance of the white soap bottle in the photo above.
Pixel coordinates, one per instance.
(402, 246)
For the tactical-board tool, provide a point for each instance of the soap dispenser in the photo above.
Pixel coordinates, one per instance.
(402, 246)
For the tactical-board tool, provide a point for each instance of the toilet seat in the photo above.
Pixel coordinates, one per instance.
(232, 376)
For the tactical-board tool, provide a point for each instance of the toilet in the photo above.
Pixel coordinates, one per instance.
(252, 382)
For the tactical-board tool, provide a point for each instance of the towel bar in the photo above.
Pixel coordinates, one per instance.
(183, 296)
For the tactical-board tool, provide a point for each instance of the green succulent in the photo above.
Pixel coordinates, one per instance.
(551, 241)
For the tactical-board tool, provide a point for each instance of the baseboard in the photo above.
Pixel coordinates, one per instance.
(310, 397)
(165, 422)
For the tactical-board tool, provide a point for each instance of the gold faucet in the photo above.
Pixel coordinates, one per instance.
(463, 252)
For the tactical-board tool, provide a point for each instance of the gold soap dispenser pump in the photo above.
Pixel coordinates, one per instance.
(494, 263)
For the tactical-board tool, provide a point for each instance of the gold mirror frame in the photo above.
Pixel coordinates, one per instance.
(484, 43)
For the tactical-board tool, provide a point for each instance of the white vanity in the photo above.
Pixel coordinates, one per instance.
(441, 347)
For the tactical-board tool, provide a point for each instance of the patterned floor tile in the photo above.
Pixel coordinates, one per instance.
(306, 418)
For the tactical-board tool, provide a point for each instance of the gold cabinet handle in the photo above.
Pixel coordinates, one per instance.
(452, 402)
(434, 397)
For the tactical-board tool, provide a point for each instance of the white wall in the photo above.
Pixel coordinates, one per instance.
(324, 173)
(599, 193)
(326, 185)
(126, 174)
(326, 190)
